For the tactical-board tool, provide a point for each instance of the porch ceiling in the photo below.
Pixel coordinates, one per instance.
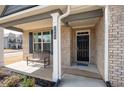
(48, 23)
(35, 25)
(33, 20)
(84, 23)
(83, 8)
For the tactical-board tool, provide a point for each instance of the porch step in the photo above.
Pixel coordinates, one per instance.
(79, 72)
(82, 64)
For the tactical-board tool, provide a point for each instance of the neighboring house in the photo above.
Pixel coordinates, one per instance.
(19, 41)
(12, 41)
(9, 41)
(84, 35)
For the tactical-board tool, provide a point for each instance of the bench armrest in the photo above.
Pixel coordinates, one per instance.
(27, 58)
(46, 58)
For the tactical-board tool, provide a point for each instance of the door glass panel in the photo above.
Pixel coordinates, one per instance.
(83, 48)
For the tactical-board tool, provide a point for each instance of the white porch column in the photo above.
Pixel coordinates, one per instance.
(1, 47)
(106, 45)
(55, 17)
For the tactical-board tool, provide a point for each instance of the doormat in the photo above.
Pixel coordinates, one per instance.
(82, 64)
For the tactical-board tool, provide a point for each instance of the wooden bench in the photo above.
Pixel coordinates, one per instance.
(40, 57)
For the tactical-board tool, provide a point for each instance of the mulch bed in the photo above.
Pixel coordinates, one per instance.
(12, 79)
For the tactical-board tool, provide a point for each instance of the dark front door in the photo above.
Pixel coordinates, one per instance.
(83, 48)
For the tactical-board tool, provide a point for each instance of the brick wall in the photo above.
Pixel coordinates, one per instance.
(99, 31)
(66, 44)
(116, 45)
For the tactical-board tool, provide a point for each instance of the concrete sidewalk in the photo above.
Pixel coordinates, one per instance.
(12, 50)
(80, 81)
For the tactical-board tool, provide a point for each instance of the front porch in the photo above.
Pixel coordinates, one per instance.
(71, 77)
(76, 44)
(34, 69)
(38, 71)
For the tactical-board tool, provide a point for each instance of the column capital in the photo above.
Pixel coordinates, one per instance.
(55, 14)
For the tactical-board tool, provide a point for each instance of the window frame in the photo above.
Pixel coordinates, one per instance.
(42, 42)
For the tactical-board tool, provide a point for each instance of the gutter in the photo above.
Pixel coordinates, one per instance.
(59, 41)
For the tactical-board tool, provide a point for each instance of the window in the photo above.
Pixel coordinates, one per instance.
(42, 41)
(82, 33)
(46, 37)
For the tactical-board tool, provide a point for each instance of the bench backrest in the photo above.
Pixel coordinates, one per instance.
(41, 55)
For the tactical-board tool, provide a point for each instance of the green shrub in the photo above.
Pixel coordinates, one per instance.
(28, 82)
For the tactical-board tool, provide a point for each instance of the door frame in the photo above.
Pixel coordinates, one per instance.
(86, 30)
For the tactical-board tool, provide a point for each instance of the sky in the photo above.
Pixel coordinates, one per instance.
(6, 31)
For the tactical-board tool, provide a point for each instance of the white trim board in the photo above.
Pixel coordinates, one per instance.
(106, 44)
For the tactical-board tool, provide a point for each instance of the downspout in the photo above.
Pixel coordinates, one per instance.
(59, 41)
(106, 62)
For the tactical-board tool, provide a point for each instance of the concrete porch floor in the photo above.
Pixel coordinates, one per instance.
(90, 71)
(34, 69)
(90, 67)
(80, 81)
(72, 76)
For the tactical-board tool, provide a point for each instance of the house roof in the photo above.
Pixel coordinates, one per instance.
(39, 16)
(1, 9)
(10, 9)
